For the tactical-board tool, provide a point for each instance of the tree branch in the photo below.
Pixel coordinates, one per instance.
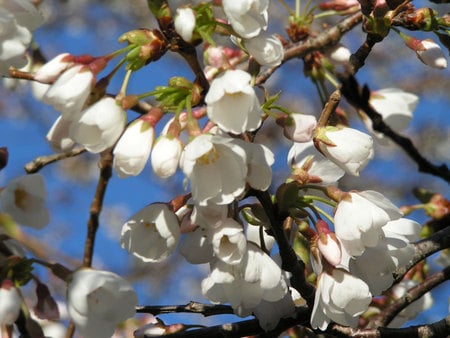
(389, 313)
(39, 162)
(245, 328)
(359, 98)
(192, 307)
(440, 329)
(438, 241)
(105, 165)
(289, 259)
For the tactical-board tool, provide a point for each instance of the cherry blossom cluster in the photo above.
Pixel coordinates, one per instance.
(354, 247)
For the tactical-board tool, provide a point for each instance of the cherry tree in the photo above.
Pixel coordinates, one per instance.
(297, 245)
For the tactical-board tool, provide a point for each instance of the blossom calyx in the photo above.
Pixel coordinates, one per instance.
(150, 45)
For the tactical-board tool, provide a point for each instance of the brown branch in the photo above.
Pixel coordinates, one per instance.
(438, 241)
(39, 162)
(439, 329)
(192, 307)
(246, 328)
(359, 98)
(105, 165)
(389, 313)
(327, 38)
(289, 259)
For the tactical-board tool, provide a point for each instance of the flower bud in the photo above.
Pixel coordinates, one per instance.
(185, 23)
(165, 156)
(428, 51)
(328, 244)
(299, 127)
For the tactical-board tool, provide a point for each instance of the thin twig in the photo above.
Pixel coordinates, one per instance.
(359, 98)
(96, 206)
(39, 162)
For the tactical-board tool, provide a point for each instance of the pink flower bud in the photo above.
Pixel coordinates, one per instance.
(299, 127)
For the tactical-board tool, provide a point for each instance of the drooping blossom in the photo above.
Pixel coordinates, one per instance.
(245, 285)
(340, 297)
(133, 149)
(393, 250)
(10, 302)
(58, 135)
(18, 20)
(166, 156)
(99, 300)
(232, 102)
(51, 70)
(395, 106)
(247, 17)
(266, 49)
(348, 148)
(299, 127)
(152, 233)
(69, 93)
(24, 198)
(308, 162)
(184, 23)
(259, 162)
(359, 218)
(207, 162)
(228, 242)
(98, 126)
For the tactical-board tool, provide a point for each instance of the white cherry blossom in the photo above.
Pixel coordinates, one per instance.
(18, 19)
(247, 17)
(133, 149)
(259, 162)
(99, 300)
(184, 23)
(359, 219)
(10, 302)
(98, 126)
(208, 161)
(229, 242)
(152, 233)
(305, 157)
(340, 297)
(256, 278)
(58, 135)
(51, 70)
(348, 148)
(266, 49)
(68, 94)
(24, 198)
(166, 156)
(232, 102)
(395, 106)
(376, 265)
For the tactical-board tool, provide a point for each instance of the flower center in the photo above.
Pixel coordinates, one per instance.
(20, 198)
(209, 158)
